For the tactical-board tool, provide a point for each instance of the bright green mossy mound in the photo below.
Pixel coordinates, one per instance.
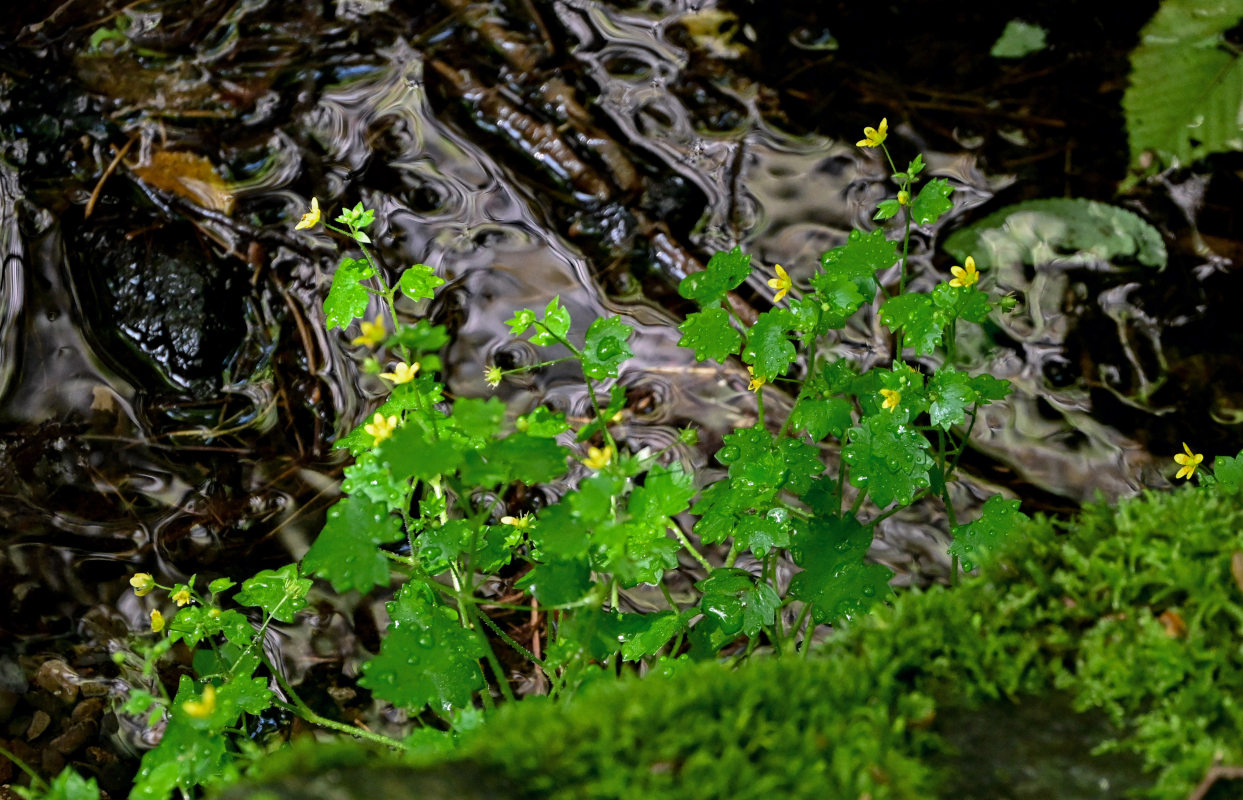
(1075, 610)
(1068, 611)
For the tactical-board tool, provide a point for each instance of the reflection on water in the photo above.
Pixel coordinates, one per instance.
(168, 392)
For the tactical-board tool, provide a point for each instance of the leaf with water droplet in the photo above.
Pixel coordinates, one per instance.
(710, 334)
(889, 460)
(1000, 520)
(724, 273)
(835, 578)
(737, 602)
(279, 592)
(347, 298)
(605, 348)
(429, 659)
(419, 282)
(345, 552)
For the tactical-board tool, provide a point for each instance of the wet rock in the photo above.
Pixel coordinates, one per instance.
(73, 739)
(88, 709)
(38, 724)
(58, 679)
(167, 298)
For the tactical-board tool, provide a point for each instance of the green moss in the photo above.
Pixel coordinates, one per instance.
(1072, 614)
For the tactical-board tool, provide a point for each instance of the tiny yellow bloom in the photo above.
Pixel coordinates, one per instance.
(157, 620)
(492, 375)
(892, 399)
(522, 522)
(872, 137)
(1188, 462)
(142, 582)
(373, 333)
(598, 457)
(311, 218)
(964, 276)
(904, 197)
(204, 706)
(781, 283)
(381, 427)
(755, 383)
(182, 597)
(402, 373)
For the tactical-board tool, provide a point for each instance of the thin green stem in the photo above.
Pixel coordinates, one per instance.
(35, 780)
(303, 710)
(695, 554)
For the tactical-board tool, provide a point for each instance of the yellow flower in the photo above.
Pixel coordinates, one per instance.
(1188, 462)
(373, 333)
(204, 706)
(755, 383)
(964, 276)
(892, 399)
(904, 197)
(311, 218)
(381, 427)
(522, 522)
(181, 597)
(157, 620)
(598, 457)
(492, 375)
(142, 582)
(402, 373)
(872, 137)
(781, 283)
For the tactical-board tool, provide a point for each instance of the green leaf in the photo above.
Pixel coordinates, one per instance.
(530, 459)
(279, 592)
(411, 453)
(666, 491)
(426, 659)
(1185, 97)
(369, 477)
(724, 273)
(605, 348)
(931, 202)
(857, 261)
(802, 464)
(439, 546)
(759, 534)
(1068, 231)
(834, 302)
(636, 551)
(886, 209)
(347, 297)
(887, 459)
(646, 634)
(556, 324)
(835, 577)
(1018, 39)
(950, 393)
(345, 552)
(999, 521)
(421, 337)
(542, 423)
(733, 599)
(819, 418)
(521, 321)
(919, 317)
(963, 302)
(1229, 473)
(68, 785)
(710, 334)
(419, 281)
(558, 583)
(768, 344)
(478, 418)
(220, 585)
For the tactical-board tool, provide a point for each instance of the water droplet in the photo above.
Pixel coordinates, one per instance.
(868, 591)
(728, 454)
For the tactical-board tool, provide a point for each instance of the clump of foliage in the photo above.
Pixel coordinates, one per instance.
(416, 507)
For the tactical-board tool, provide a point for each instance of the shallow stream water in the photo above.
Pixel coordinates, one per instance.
(168, 394)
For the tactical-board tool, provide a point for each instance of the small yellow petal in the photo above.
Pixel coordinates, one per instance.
(157, 621)
(311, 218)
(756, 383)
(182, 597)
(598, 457)
(402, 373)
(204, 706)
(142, 582)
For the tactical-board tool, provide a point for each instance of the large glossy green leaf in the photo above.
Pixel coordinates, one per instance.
(1185, 100)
